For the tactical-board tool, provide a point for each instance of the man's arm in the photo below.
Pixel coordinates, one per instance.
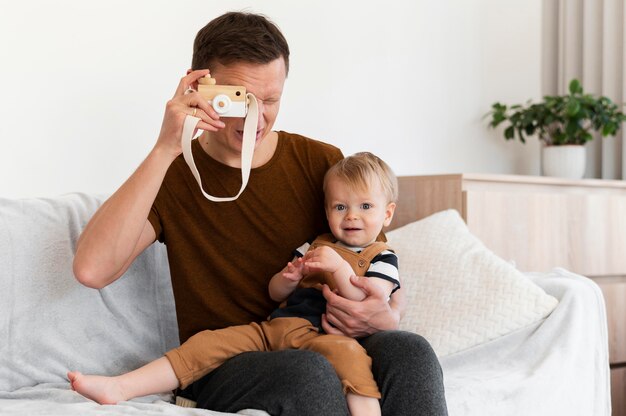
(359, 319)
(119, 231)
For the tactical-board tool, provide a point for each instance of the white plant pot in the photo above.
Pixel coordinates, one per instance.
(567, 161)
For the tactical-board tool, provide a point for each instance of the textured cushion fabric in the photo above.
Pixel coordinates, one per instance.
(50, 323)
(459, 293)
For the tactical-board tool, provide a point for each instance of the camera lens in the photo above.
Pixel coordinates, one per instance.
(221, 103)
(238, 93)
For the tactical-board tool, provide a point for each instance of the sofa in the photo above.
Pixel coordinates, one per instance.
(510, 343)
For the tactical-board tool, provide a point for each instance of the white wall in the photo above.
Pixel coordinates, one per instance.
(83, 84)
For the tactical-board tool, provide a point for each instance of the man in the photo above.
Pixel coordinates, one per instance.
(222, 255)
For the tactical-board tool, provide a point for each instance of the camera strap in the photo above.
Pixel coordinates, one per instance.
(247, 148)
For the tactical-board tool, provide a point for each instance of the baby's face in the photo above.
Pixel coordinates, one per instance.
(356, 217)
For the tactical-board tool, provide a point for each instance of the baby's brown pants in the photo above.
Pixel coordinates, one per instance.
(207, 350)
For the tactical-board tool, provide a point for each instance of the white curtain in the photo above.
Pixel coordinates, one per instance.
(586, 39)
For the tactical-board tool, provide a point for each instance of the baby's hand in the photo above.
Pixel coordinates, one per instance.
(295, 272)
(324, 259)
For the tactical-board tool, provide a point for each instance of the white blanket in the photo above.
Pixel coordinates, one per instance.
(49, 324)
(556, 367)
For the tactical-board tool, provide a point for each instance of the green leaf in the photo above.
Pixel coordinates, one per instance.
(509, 132)
(574, 87)
(609, 129)
(497, 118)
(571, 128)
(573, 107)
(529, 129)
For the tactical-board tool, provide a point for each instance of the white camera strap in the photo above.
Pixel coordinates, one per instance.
(247, 148)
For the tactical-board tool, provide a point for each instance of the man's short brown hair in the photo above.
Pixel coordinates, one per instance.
(239, 37)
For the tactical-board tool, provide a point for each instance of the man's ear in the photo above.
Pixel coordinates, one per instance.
(391, 208)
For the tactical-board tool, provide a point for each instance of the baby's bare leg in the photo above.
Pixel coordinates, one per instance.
(362, 406)
(154, 377)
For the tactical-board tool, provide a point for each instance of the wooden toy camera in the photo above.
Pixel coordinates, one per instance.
(227, 100)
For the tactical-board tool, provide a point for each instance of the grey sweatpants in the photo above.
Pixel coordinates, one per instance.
(303, 383)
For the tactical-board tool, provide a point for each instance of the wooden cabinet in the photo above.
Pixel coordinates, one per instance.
(540, 223)
(614, 290)
(618, 391)
(537, 222)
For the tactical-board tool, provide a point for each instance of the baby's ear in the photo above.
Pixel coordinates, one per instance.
(391, 208)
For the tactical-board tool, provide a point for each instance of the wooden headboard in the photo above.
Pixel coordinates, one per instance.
(421, 196)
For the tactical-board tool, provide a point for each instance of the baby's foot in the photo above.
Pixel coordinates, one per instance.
(104, 390)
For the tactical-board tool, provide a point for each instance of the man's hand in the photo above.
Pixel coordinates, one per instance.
(186, 101)
(359, 319)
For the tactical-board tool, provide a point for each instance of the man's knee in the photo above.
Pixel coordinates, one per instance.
(290, 382)
(397, 342)
(299, 368)
(304, 381)
(402, 351)
(408, 374)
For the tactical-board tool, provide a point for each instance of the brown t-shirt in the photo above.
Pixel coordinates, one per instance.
(223, 254)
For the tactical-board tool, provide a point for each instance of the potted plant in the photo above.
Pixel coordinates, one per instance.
(563, 124)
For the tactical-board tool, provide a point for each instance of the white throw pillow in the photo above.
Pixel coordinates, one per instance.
(459, 293)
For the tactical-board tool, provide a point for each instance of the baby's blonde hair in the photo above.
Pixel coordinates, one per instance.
(362, 170)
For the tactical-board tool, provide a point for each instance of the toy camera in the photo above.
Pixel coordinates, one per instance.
(227, 100)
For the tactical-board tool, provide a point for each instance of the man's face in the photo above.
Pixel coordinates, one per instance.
(266, 82)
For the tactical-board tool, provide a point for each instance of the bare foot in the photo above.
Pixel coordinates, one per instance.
(104, 390)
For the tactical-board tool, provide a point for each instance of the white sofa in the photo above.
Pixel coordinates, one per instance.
(49, 323)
